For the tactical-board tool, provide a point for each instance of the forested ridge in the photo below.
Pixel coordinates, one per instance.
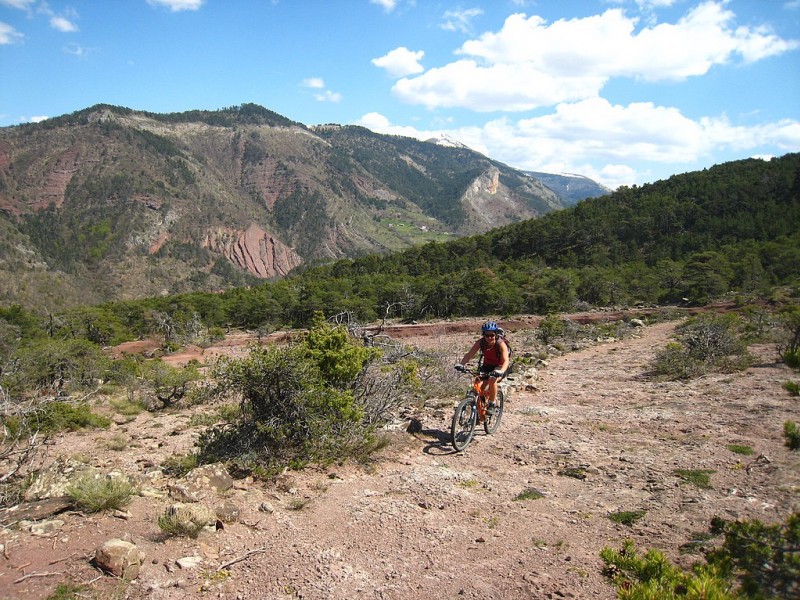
(696, 237)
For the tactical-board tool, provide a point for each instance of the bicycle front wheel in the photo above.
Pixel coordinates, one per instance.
(493, 415)
(463, 427)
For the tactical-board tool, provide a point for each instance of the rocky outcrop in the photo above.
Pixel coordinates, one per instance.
(254, 250)
(57, 180)
(119, 558)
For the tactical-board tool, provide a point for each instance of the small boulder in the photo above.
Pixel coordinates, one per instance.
(119, 558)
(228, 512)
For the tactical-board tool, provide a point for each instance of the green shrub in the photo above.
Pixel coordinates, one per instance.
(789, 349)
(653, 577)
(92, 494)
(754, 561)
(529, 494)
(739, 449)
(127, 407)
(70, 591)
(57, 365)
(765, 558)
(64, 416)
(791, 358)
(550, 328)
(697, 477)
(792, 387)
(172, 524)
(298, 403)
(627, 517)
(178, 465)
(169, 384)
(675, 362)
(709, 337)
(704, 343)
(792, 435)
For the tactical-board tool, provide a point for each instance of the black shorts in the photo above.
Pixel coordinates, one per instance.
(486, 369)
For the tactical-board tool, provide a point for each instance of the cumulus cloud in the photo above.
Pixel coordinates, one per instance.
(177, 5)
(381, 124)
(63, 24)
(607, 142)
(460, 20)
(400, 62)
(321, 94)
(530, 63)
(20, 4)
(9, 35)
(388, 5)
(328, 96)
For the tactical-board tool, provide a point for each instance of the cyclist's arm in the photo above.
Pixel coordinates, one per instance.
(504, 357)
(472, 352)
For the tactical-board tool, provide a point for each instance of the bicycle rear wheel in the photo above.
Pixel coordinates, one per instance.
(463, 426)
(492, 420)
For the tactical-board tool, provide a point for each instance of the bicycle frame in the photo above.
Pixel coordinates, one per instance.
(481, 401)
(474, 410)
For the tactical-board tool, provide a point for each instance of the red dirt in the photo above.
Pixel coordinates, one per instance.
(597, 437)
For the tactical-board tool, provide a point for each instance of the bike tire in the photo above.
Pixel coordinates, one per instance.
(492, 422)
(463, 427)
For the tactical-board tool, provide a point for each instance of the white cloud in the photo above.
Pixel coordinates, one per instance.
(177, 5)
(459, 20)
(530, 63)
(63, 24)
(380, 124)
(322, 95)
(401, 62)
(388, 5)
(613, 144)
(9, 35)
(20, 4)
(38, 119)
(328, 96)
(79, 51)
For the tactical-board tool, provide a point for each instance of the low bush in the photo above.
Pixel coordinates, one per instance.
(697, 477)
(298, 404)
(173, 524)
(792, 435)
(529, 494)
(627, 517)
(754, 561)
(65, 416)
(92, 494)
(740, 449)
(704, 343)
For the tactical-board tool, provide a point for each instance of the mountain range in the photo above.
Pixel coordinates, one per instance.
(113, 203)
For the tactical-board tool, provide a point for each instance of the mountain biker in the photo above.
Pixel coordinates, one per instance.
(494, 359)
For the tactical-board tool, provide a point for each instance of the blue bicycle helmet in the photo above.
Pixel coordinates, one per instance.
(489, 326)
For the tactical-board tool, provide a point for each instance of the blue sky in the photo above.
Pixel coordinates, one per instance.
(622, 91)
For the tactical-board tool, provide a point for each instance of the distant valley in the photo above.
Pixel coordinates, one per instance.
(112, 203)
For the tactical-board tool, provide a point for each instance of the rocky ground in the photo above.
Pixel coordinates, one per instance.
(594, 437)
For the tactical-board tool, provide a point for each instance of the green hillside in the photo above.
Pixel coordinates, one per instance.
(730, 230)
(727, 231)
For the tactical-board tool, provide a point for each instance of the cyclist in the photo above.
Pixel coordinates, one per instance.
(494, 359)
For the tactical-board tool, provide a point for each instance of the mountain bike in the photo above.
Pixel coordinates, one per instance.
(473, 410)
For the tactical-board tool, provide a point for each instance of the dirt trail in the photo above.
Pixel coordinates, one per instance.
(426, 522)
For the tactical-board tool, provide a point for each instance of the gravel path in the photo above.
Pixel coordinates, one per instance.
(597, 437)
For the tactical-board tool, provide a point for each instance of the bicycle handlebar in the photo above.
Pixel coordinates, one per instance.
(464, 369)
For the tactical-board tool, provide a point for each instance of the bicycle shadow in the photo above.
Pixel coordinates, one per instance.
(440, 445)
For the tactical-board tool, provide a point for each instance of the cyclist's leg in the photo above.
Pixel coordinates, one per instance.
(486, 384)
